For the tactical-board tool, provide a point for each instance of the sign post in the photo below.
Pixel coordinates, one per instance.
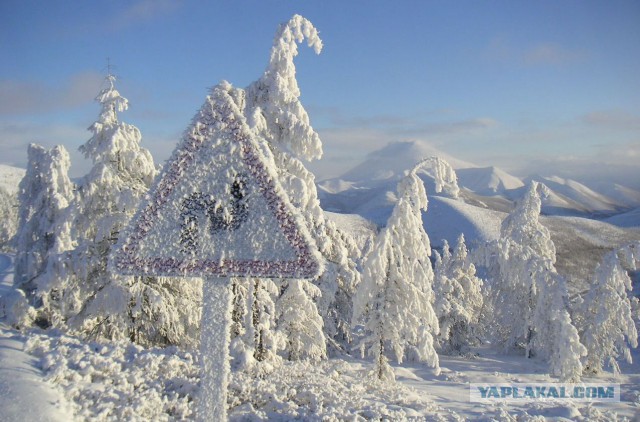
(214, 349)
(217, 211)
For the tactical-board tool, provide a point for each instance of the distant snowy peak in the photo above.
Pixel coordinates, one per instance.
(487, 180)
(390, 162)
(10, 177)
(621, 194)
(571, 195)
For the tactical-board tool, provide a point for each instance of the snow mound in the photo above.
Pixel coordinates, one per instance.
(487, 180)
(10, 177)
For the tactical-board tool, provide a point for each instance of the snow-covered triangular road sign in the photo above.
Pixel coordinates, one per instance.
(217, 209)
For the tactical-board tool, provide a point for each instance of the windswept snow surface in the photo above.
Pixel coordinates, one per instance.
(24, 394)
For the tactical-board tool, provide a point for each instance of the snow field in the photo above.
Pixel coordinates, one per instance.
(121, 381)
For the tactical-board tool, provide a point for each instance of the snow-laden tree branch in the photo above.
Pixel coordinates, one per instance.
(274, 110)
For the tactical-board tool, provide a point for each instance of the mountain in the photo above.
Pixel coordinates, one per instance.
(391, 161)
(487, 194)
(621, 194)
(569, 197)
(10, 177)
(488, 180)
(627, 219)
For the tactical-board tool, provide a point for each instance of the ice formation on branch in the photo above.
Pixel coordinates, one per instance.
(273, 105)
(609, 328)
(444, 176)
(528, 297)
(396, 296)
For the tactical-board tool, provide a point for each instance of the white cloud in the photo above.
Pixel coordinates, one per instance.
(142, 11)
(26, 97)
(613, 119)
(550, 53)
(501, 49)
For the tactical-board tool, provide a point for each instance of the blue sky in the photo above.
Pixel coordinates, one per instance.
(545, 86)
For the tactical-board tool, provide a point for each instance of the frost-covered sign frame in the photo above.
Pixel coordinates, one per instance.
(217, 210)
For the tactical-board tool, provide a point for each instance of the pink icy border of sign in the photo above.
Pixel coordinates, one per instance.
(127, 261)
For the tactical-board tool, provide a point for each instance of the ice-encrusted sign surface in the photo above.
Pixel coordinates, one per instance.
(217, 208)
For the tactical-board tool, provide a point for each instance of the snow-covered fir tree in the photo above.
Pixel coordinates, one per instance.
(44, 194)
(529, 298)
(276, 115)
(609, 329)
(253, 333)
(458, 299)
(300, 323)
(100, 303)
(395, 298)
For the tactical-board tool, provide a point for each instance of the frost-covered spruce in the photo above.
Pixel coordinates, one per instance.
(609, 328)
(458, 299)
(253, 333)
(44, 193)
(529, 298)
(100, 303)
(300, 323)
(396, 295)
(275, 114)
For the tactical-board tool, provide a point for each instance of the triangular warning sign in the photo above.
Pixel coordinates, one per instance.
(217, 208)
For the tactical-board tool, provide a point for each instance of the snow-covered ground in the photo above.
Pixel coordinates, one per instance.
(46, 375)
(58, 374)
(25, 395)
(50, 376)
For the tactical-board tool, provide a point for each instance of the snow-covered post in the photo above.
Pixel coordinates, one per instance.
(214, 349)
